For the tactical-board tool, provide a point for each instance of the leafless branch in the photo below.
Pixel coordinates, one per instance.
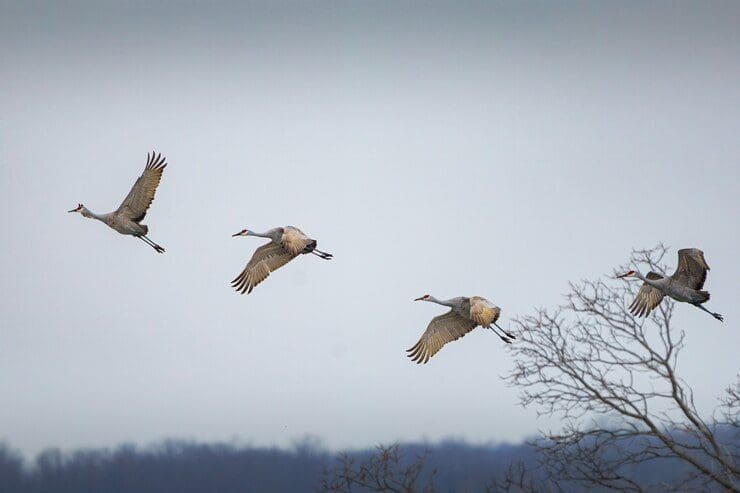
(612, 379)
(384, 471)
(518, 479)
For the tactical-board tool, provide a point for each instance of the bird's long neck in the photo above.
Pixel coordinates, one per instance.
(267, 234)
(440, 302)
(88, 213)
(650, 282)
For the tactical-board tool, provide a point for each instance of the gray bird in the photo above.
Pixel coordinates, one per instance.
(465, 315)
(126, 219)
(285, 245)
(684, 285)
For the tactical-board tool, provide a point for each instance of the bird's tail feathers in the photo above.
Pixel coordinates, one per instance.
(704, 296)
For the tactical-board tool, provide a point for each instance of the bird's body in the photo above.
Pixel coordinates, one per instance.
(685, 285)
(122, 224)
(286, 243)
(126, 219)
(465, 314)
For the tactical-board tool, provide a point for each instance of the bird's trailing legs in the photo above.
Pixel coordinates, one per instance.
(503, 336)
(151, 243)
(715, 315)
(508, 334)
(323, 255)
(158, 248)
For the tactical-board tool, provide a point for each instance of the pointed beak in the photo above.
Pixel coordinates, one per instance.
(73, 210)
(624, 275)
(419, 299)
(237, 234)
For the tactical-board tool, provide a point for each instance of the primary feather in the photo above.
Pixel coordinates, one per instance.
(140, 197)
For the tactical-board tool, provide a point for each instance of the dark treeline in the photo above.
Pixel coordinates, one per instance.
(183, 467)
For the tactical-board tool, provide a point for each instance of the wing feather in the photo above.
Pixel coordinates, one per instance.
(692, 268)
(441, 330)
(140, 197)
(647, 297)
(266, 259)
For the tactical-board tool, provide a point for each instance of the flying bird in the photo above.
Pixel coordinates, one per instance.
(465, 315)
(127, 218)
(285, 245)
(684, 285)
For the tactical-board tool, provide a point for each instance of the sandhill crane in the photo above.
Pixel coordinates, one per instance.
(465, 315)
(684, 285)
(285, 245)
(126, 219)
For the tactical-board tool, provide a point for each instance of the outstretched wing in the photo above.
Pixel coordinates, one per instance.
(441, 330)
(483, 311)
(692, 268)
(138, 200)
(266, 259)
(294, 240)
(647, 297)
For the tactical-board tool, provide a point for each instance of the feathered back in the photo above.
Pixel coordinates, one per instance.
(295, 241)
(483, 312)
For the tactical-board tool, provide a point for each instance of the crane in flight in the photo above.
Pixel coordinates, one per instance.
(465, 314)
(684, 285)
(127, 218)
(285, 244)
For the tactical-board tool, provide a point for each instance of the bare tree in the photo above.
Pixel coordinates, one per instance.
(611, 378)
(384, 471)
(518, 479)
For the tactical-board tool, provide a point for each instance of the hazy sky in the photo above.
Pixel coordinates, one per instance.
(444, 148)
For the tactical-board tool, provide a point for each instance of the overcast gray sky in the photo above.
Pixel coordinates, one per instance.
(444, 148)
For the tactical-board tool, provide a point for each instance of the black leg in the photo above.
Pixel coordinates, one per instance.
(144, 240)
(156, 247)
(149, 242)
(715, 315)
(324, 254)
(508, 334)
(503, 338)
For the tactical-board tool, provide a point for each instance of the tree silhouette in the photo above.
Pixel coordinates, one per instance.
(383, 471)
